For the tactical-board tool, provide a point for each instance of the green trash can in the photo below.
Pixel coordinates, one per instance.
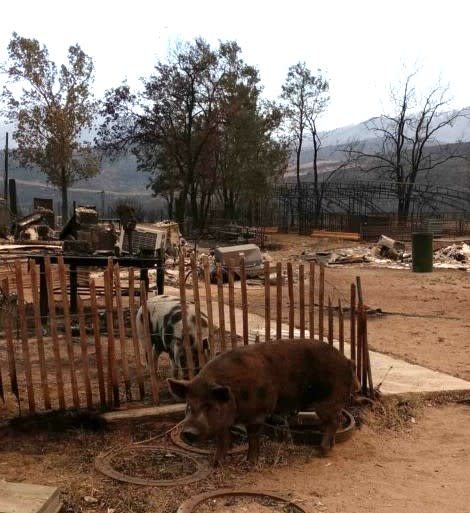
(421, 248)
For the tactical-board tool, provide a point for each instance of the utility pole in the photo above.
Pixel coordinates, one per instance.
(5, 184)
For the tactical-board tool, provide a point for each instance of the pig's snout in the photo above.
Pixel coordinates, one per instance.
(191, 434)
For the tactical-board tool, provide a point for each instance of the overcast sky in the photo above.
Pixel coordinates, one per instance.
(361, 45)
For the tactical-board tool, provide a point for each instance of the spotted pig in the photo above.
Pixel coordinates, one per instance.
(166, 331)
(248, 384)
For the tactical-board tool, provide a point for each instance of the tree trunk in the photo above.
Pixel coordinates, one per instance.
(65, 199)
(180, 206)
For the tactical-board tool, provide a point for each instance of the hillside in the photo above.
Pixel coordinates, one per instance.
(118, 179)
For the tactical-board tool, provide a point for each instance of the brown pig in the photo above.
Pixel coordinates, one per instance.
(249, 383)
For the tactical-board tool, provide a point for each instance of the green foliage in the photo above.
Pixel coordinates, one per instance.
(199, 128)
(51, 111)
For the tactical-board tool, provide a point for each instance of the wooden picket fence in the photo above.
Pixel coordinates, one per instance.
(92, 358)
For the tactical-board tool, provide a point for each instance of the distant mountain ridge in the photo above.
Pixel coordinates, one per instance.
(339, 138)
(459, 131)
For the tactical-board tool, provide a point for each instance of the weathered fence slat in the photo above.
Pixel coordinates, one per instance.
(367, 358)
(352, 322)
(33, 272)
(321, 303)
(97, 338)
(330, 322)
(340, 326)
(302, 300)
(68, 329)
(24, 336)
(135, 340)
(197, 311)
(184, 319)
(113, 378)
(23, 356)
(220, 302)
(359, 339)
(9, 343)
(267, 303)
(290, 287)
(84, 350)
(148, 344)
(2, 390)
(54, 334)
(231, 306)
(311, 300)
(244, 298)
(210, 313)
(278, 300)
(122, 331)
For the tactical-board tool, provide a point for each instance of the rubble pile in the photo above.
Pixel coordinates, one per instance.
(389, 253)
(453, 256)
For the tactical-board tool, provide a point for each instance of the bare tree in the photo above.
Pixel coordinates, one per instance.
(305, 97)
(409, 139)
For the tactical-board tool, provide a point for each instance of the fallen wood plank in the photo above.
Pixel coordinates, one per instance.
(169, 410)
(336, 235)
(29, 498)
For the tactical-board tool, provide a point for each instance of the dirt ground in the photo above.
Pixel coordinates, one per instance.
(408, 456)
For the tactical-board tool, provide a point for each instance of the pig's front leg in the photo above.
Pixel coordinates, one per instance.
(329, 417)
(254, 431)
(223, 442)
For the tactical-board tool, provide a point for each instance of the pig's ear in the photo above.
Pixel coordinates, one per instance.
(220, 393)
(178, 388)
